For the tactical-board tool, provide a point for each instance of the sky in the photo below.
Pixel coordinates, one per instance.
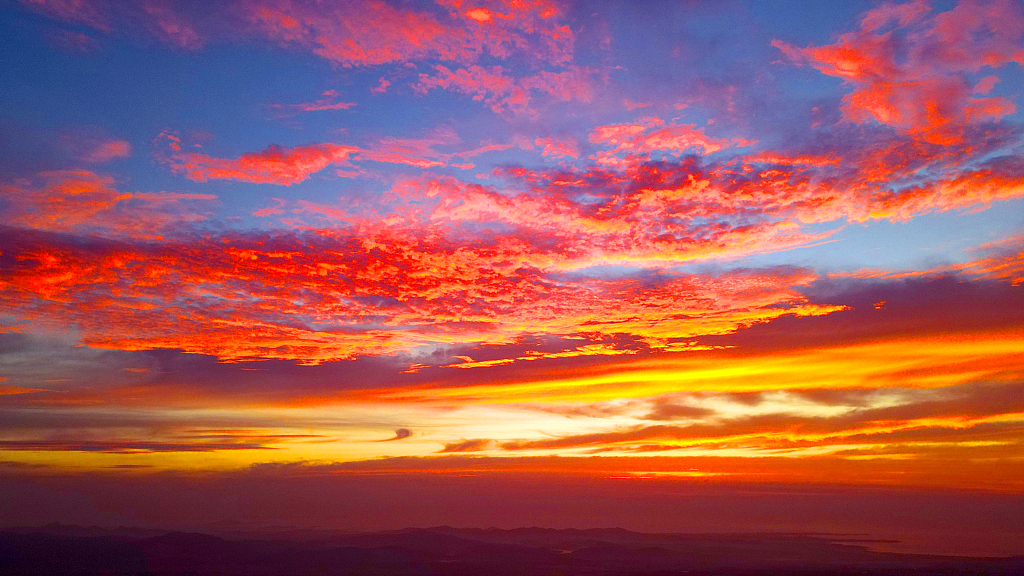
(664, 245)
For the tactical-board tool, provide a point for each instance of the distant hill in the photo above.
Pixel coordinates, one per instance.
(446, 551)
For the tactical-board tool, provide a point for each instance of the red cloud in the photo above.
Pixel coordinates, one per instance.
(275, 165)
(919, 85)
(369, 290)
(286, 166)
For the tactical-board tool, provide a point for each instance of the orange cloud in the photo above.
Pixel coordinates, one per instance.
(1005, 263)
(479, 14)
(10, 390)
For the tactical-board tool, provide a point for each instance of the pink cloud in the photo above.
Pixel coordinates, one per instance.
(615, 134)
(170, 26)
(83, 201)
(109, 150)
(564, 148)
(632, 105)
(381, 87)
(413, 152)
(574, 84)
(328, 101)
(631, 143)
(483, 150)
(487, 84)
(161, 19)
(352, 33)
(72, 41)
(985, 85)
(372, 32)
(86, 12)
(902, 14)
(504, 93)
(679, 139)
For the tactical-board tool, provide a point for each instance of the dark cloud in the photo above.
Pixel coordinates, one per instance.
(472, 445)
(400, 434)
(670, 410)
(944, 304)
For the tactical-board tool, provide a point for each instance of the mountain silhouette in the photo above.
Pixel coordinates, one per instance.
(447, 551)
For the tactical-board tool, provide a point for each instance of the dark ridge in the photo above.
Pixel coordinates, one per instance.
(446, 551)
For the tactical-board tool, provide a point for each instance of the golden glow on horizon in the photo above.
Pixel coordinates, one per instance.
(612, 413)
(923, 362)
